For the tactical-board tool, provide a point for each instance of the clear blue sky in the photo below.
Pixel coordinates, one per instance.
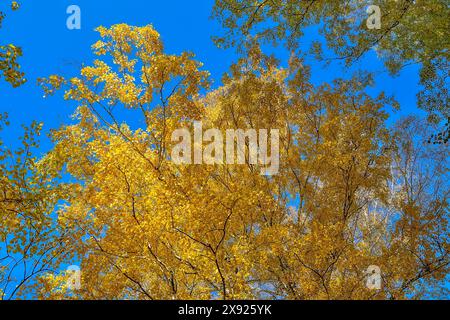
(39, 27)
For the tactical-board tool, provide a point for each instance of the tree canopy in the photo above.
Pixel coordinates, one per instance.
(411, 32)
(352, 192)
(137, 221)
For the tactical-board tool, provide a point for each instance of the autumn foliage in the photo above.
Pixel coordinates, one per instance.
(351, 192)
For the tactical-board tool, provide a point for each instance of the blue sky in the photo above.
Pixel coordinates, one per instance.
(39, 27)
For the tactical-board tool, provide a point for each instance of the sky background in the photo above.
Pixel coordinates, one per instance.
(39, 27)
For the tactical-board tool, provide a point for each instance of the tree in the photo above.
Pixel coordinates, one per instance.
(31, 243)
(420, 184)
(144, 227)
(411, 32)
(9, 67)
